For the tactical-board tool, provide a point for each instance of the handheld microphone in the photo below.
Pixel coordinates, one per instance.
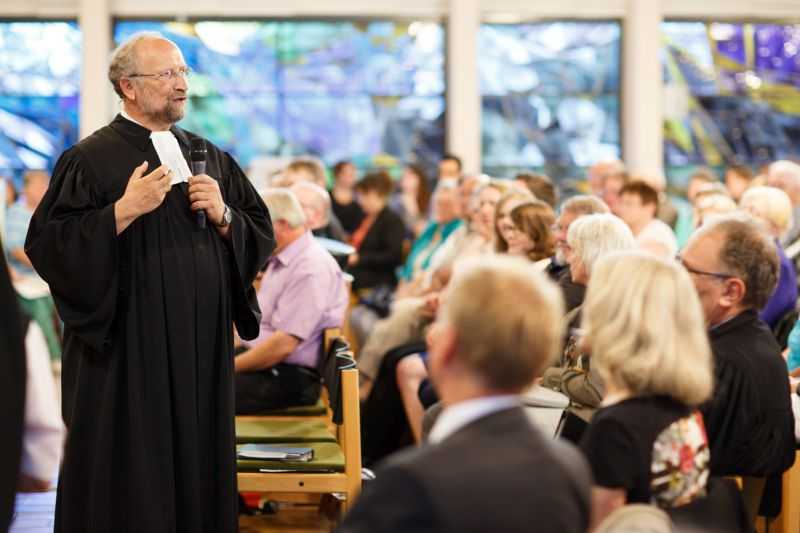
(198, 159)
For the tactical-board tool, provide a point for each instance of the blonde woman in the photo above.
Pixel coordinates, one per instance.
(644, 326)
(773, 208)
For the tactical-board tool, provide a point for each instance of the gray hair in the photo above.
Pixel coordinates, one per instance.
(594, 236)
(284, 205)
(785, 169)
(584, 204)
(322, 199)
(123, 59)
(748, 253)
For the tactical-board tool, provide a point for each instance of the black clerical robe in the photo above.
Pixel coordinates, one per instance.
(12, 392)
(148, 349)
(749, 418)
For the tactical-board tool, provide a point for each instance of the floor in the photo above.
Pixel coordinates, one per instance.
(35, 514)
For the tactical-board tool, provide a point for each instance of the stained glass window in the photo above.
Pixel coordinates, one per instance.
(732, 94)
(550, 96)
(39, 87)
(371, 92)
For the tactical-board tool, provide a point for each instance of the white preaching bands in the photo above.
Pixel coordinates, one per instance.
(169, 153)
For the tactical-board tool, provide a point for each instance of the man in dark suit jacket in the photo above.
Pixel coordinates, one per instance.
(749, 421)
(486, 468)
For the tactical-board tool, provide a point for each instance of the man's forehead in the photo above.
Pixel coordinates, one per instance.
(156, 50)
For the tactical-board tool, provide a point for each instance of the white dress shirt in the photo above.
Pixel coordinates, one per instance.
(463, 413)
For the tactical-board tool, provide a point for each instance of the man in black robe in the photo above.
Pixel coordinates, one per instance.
(148, 301)
(749, 421)
(12, 392)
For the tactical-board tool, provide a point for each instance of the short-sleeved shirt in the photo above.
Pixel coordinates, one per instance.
(653, 447)
(302, 293)
(18, 218)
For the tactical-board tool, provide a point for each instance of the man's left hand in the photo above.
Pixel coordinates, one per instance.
(204, 194)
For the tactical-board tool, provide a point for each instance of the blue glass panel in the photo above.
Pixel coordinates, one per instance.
(372, 91)
(732, 94)
(550, 96)
(39, 87)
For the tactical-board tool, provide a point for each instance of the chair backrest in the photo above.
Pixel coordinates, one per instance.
(784, 327)
(338, 358)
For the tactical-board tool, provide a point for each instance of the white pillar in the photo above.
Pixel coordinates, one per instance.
(463, 93)
(642, 94)
(95, 22)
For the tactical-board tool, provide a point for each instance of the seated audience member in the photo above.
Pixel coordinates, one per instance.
(412, 201)
(701, 179)
(302, 169)
(316, 205)
(303, 293)
(530, 238)
(638, 206)
(410, 316)
(646, 444)
(612, 187)
(39, 305)
(774, 209)
(486, 467)
(709, 203)
(449, 167)
(666, 212)
(541, 187)
(343, 196)
(589, 238)
(785, 175)
(734, 266)
(502, 216)
(446, 219)
(530, 235)
(597, 173)
(558, 270)
(738, 179)
(379, 238)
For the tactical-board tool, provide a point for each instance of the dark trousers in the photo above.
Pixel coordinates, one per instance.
(284, 385)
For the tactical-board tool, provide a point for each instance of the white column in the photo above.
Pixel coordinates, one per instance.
(642, 94)
(463, 93)
(94, 18)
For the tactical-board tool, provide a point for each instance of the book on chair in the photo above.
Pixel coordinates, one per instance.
(267, 452)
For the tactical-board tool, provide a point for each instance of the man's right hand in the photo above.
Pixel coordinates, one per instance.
(143, 194)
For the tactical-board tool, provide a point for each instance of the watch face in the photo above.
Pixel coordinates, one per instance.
(227, 216)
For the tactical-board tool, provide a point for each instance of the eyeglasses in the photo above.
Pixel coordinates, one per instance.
(718, 275)
(171, 74)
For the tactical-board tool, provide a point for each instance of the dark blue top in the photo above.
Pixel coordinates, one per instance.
(784, 298)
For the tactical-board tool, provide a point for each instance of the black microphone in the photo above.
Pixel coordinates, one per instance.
(198, 158)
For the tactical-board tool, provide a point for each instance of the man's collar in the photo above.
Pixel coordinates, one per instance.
(139, 136)
(285, 256)
(732, 323)
(461, 414)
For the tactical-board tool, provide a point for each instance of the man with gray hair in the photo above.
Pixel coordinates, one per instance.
(734, 266)
(785, 175)
(148, 298)
(304, 293)
(316, 204)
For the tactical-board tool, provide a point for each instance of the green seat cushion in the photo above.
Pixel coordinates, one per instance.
(318, 409)
(272, 431)
(327, 456)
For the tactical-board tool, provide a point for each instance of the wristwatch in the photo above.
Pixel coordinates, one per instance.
(227, 216)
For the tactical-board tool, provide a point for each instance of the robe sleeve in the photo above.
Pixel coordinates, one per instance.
(251, 243)
(72, 243)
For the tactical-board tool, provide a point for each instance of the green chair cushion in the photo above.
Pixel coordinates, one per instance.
(327, 456)
(275, 431)
(318, 409)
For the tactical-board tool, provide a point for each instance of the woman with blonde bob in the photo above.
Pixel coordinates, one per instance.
(772, 207)
(644, 327)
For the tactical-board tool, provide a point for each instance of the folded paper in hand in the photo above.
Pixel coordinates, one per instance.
(275, 453)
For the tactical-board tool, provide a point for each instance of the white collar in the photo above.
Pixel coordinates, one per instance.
(126, 116)
(463, 413)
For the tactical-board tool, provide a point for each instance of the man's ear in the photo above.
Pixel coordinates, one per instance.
(734, 293)
(126, 85)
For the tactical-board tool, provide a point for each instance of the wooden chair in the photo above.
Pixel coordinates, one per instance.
(336, 467)
(789, 519)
